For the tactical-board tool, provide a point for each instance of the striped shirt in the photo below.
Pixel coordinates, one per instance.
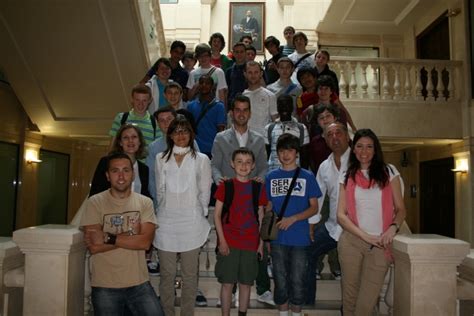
(280, 128)
(144, 123)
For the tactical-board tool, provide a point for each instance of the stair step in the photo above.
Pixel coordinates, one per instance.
(327, 290)
(322, 308)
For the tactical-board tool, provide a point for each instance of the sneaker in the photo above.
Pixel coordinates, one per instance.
(200, 299)
(235, 298)
(153, 268)
(336, 275)
(218, 304)
(266, 297)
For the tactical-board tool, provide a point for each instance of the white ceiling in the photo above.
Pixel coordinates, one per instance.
(72, 63)
(372, 16)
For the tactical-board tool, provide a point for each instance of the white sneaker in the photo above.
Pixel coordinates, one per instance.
(235, 298)
(266, 297)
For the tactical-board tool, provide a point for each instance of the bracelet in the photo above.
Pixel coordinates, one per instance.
(397, 226)
(110, 239)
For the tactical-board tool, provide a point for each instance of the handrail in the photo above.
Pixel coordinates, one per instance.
(421, 80)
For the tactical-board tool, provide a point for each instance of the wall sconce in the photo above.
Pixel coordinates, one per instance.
(31, 156)
(462, 166)
(453, 12)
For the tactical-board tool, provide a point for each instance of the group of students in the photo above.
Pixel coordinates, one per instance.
(181, 117)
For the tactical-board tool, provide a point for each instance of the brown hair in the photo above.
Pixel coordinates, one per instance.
(116, 147)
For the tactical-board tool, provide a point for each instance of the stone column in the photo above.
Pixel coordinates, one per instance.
(466, 285)
(54, 269)
(11, 258)
(425, 274)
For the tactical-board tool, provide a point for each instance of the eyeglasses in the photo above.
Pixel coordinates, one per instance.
(181, 131)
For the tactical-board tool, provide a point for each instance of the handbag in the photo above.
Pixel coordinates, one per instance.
(268, 229)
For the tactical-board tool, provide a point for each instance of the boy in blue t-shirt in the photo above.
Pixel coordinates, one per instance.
(290, 251)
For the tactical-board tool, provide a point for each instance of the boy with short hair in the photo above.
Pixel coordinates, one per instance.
(288, 48)
(157, 84)
(251, 53)
(272, 44)
(289, 251)
(284, 85)
(189, 61)
(203, 54)
(237, 226)
(138, 115)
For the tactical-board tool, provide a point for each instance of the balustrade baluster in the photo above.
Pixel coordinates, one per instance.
(429, 85)
(342, 82)
(418, 85)
(396, 83)
(385, 84)
(353, 83)
(375, 82)
(408, 87)
(364, 85)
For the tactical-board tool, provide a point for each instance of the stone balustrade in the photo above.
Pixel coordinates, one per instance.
(11, 291)
(54, 269)
(398, 79)
(425, 274)
(466, 285)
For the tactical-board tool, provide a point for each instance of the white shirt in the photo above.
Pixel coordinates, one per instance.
(328, 180)
(308, 62)
(183, 196)
(136, 184)
(218, 76)
(369, 204)
(241, 138)
(262, 107)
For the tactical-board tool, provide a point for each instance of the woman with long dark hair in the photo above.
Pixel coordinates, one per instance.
(183, 191)
(129, 140)
(370, 210)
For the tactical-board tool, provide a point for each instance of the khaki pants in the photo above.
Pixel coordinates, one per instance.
(363, 273)
(189, 277)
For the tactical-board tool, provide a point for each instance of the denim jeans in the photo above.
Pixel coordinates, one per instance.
(139, 300)
(323, 243)
(290, 265)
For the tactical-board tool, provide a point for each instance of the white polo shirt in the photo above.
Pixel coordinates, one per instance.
(262, 107)
(328, 180)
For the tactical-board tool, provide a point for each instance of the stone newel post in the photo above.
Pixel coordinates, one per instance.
(54, 269)
(425, 274)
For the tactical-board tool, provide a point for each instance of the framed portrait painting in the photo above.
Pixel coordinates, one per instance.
(247, 18)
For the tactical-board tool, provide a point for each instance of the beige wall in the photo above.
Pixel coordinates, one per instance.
(194, 21)
(83, 159)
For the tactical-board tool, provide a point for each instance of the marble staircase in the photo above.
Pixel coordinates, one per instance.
(328, 290)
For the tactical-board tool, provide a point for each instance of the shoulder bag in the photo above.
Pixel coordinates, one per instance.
(269, 230)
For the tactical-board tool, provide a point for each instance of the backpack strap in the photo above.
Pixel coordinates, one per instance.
(124, 118)
(301, 59)
(270, 131)
(301, 128)
(256, 186)
(153, 124)
(204, 110)
(228, 197)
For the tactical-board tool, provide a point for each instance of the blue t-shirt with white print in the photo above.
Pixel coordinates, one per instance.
(277, 183)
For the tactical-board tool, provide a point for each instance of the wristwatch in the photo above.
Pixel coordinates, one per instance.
(109, 239)
(397, 226)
